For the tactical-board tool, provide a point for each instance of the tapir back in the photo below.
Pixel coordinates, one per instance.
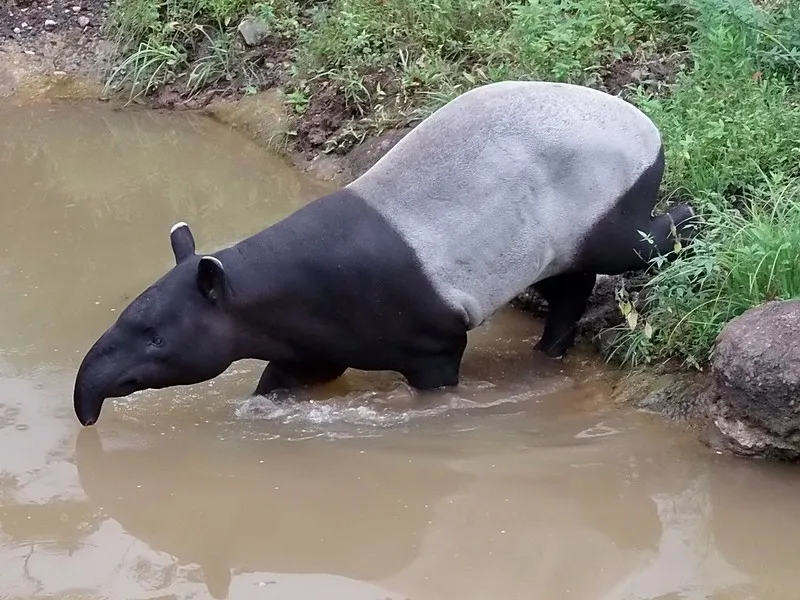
(499, 188)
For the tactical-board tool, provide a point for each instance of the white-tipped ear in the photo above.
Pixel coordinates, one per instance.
(182, 241)
(211, 279)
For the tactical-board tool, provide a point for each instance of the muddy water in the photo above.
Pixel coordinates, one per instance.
(524, 484)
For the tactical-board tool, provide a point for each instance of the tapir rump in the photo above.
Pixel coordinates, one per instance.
(508, 185)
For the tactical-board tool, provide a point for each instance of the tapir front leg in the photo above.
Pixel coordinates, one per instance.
(286, 376)
(438, 371)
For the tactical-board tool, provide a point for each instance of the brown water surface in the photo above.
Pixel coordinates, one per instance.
(525, 483)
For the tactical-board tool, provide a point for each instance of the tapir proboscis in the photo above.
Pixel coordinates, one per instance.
(508, 185)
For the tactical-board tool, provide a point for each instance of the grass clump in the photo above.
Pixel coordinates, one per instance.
(162, 41)
(746, 256)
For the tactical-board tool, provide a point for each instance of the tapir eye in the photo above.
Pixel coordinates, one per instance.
(157, 341)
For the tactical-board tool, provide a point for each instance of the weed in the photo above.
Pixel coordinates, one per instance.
(733, 116)
(147, 68)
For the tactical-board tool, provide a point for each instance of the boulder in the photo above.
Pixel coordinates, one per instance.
(253, 31)
(754, 399)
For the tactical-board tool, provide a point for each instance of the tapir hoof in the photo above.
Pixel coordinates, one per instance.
(549, 350)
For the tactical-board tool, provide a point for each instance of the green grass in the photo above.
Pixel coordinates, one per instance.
(166, 41)
(394, 55)
(736, 114)
(401, 58)
(721, 78)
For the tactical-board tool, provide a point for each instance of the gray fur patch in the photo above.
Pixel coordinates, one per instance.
(496, 189)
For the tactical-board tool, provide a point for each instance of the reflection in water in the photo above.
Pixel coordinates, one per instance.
(523, 483)
(263, 516)
(687, 558)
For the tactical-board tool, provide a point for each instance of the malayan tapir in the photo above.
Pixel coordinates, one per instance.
(510, 184)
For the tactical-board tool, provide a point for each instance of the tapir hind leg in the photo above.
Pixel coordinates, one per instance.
(566, 296)
(285, 376)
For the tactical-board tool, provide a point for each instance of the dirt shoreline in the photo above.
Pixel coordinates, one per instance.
(70, 61)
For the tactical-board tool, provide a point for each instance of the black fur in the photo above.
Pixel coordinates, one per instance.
(566, 296)
(615, 246)
(334, 286)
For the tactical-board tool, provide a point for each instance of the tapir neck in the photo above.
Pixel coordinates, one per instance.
(274, 278)
(254, 301)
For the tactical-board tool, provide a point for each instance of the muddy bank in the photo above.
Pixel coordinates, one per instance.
(53, 48)
(328, 138)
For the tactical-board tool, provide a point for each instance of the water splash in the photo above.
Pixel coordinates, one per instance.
(597, 431)
(371, 409)
(370, 406)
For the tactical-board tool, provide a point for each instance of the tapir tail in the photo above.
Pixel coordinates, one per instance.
(676, 225)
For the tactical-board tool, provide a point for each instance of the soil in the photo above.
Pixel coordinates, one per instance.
(65, 33)
(657, 74)
(326, 113)
(25, 21)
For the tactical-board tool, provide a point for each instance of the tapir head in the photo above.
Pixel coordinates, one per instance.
(176, 332)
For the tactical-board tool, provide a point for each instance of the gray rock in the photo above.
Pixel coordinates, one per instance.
(83, 21)
(754, 402)
(50, 24)
(253, 31)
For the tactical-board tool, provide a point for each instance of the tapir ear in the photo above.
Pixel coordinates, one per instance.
(211, 278)
(182, 240)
